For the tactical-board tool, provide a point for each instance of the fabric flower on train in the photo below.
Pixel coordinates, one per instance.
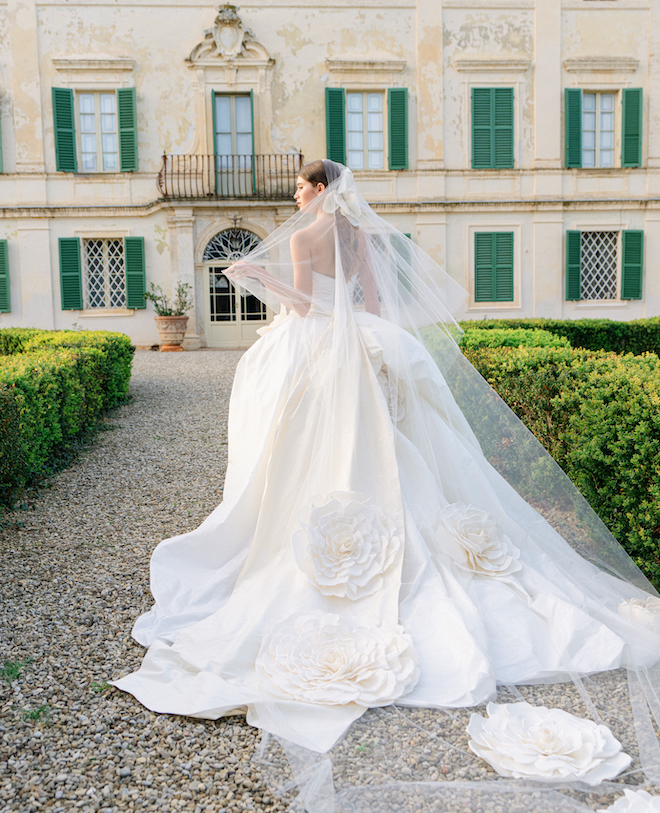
(346, 545)
(478, 544)
(545, 745)
(329, 659)
(634, 801)
(643, 611)
(344, 197)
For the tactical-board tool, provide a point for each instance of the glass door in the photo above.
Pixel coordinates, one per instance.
(233, 144)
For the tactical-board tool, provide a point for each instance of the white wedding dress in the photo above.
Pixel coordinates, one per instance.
(370, 549)
(428, 623)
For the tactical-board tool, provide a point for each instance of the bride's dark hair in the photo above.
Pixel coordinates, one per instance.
(315, 172)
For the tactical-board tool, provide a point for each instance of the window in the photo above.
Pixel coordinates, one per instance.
(590, 124)
(365, 130)
(95, 131)
(492, 128)
(102, 273)
(5, 293)
(104, 280)
(99, 144)
(596, 260)
(225, 304)
(598, 129)
(493, 267)
(356, 128)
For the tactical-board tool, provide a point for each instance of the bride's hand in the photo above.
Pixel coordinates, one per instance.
(242, 269)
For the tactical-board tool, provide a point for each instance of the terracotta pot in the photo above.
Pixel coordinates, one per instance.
(171, 330)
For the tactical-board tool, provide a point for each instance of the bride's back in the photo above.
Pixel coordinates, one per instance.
(318, 242)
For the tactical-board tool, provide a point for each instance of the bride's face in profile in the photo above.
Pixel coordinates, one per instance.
(306, 191)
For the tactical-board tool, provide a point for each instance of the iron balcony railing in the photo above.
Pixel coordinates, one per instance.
(262, 177)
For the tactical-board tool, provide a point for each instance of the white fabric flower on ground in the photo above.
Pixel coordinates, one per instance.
(642, 611)
(479, 545)
(346, 545)
(634, 801)
(329, 659)
(546, 745)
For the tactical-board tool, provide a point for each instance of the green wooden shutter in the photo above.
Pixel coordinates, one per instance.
(633, 265)
(482, 154)
(254, 170)
(502, 128)
(128, 141)
(335, 124)
(573, 128)
(492, 128)
(134, 264)
(573, 260)
(631, 128)
(65, 130)
(397, 115)
(70, 273)
(493, 266)
(5, 293)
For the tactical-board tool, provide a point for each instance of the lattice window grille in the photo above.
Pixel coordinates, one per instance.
(230, 245)
(105, 280)
(598, 265)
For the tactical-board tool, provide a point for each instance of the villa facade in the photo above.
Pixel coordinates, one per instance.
(517, 141)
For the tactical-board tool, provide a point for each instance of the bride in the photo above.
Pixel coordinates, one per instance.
(389, 531)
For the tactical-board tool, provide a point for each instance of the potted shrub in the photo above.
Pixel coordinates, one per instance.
(170, 317)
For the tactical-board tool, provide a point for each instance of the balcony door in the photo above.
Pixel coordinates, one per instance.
(231, 318)
(233, 140)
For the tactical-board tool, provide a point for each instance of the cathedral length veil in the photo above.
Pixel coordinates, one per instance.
(398, 426)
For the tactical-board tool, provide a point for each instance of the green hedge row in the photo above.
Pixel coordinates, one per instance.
(511, 337)
(637, 337)
(598, 414)
(53, 386)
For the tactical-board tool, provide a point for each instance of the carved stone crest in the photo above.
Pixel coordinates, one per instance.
(228, 39)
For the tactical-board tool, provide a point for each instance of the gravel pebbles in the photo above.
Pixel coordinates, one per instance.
(75, 576)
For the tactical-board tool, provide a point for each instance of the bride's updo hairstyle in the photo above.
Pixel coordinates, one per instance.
(325, 172)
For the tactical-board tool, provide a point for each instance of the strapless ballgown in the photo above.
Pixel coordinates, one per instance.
(346, 568)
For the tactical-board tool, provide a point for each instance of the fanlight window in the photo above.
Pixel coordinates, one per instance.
(225, 304)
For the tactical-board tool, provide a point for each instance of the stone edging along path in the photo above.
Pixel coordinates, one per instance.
(74, 570)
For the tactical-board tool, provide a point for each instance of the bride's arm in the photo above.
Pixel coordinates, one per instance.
(282, 291)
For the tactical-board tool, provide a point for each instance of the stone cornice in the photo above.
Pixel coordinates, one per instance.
(600, 64)
(111, 64)
(366, 65)
(490, 64)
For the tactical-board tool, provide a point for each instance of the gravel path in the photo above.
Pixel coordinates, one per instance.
(74, 577)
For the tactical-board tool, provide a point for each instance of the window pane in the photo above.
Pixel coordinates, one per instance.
(588, 101)
(86, 101)
(87, 124)
(354, 101)
(375, 121)
(598, 265)
(243, 115)
(607, 140)
(107, 102)
(355, 140)
(607, 158)
(375, 160)
(355, 121)
(108, 123)
(110, 162)
(607, 121)
(223, 144)
(88, 143)
(223, 114)
(244, 144)
(375, 102)
(355, 160)
(588, 121)
(89, 161)
(376, 141)
(109, 142)
(607, 101)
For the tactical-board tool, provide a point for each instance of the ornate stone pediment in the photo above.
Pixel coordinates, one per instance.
(228, 41)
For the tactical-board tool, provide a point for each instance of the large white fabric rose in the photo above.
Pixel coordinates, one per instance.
(346, 545)
(328, 659)
(634, 801)
(344, 197)
(479, 545)
(642, 611)
(546, 745)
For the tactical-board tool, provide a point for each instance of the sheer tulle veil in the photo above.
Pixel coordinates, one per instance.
(380, 271)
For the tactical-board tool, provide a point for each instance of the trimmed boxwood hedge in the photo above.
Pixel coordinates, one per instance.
(598, 414)
(511, 337)
(53, 386)
(637, 336)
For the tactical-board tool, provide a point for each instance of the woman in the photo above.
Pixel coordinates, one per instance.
(367, 551)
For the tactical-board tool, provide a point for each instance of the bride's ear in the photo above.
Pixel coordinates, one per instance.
(320, 188)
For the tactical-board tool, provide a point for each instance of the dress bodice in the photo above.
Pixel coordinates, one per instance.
(323, 293)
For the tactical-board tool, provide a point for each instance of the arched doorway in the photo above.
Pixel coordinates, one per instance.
(231, 319)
